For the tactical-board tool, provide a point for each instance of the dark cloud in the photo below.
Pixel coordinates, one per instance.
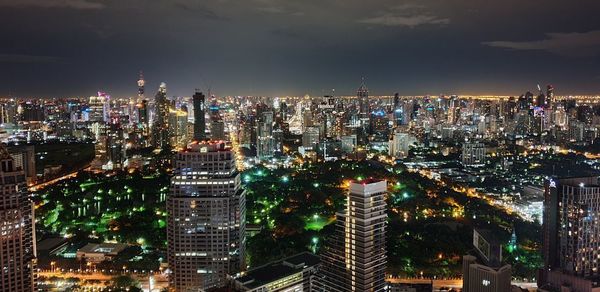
(290, 47)
(409, 21)
(73, 4)
(271, 9)
(407, 14)
(15, 58)
(569, 44)
(198, 10)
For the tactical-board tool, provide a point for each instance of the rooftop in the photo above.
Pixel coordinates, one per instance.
(103, 248)
(276, 270)
(208, 146)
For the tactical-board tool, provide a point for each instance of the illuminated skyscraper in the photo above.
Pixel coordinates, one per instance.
(362, 94)
(17, 241)
(99, 108)
(160, 128)
(571, 233)
(134, 112)
(178, 127)
(141, 83)
(355, 259)
(199, 101)
(550, 94)
(206, 218)
(265, 144)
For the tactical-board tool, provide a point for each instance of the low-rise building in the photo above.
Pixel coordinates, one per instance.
(99, 252)
(292, 274)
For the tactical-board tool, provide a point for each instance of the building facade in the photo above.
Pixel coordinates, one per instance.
(571, 231)
(17, 240)
(485, 271)
(206, 218)
(199, 101)
(473, 153)
(356, 258)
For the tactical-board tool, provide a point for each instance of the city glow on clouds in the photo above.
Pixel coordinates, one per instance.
(569, 44)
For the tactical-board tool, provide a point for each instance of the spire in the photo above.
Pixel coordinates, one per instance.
(141, 81)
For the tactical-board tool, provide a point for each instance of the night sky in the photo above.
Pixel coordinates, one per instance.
(55, 48)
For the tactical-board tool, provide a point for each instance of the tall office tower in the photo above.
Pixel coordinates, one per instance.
(278, 136)
(98, 108)
(134, 113)
(143, 113)
(397, 111)
(550, 94)
(141, 83)
(178, 127)
(362, 94)
(399, 145)
(379, 125)
(310, 138)
(560, 117)
(32, 112)
(8, 112)
(17, 241)
(484, 271)
(217, 130)
(473, 153)
(356, 258)
(115, 148)
(24, 158)
(199, 101)
(206, 218)
(160, 129)
(571, 233)
(265, 144)
(396, 100)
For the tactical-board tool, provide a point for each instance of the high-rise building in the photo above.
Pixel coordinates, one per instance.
(8, 112)
(32, 112)
(473, 153)
(400, 144)
(115, 148)
(484, 271)
(206, 218)
(348, 143)
(24, 158)
(570, 232)
(550, 94)
(143, 113)
(362, 94)
(355, 259)
(17, 241)
(99, 108)
(160, 129)
(178, 127)
(265, 144)
(217, 130)
(199, 101)
(135, 104)
(310, 138)
(141, 83)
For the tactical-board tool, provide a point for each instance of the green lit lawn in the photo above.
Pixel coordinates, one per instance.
(317, 223)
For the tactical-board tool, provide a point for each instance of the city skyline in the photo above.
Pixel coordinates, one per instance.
(314, 146)
(279, 48)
